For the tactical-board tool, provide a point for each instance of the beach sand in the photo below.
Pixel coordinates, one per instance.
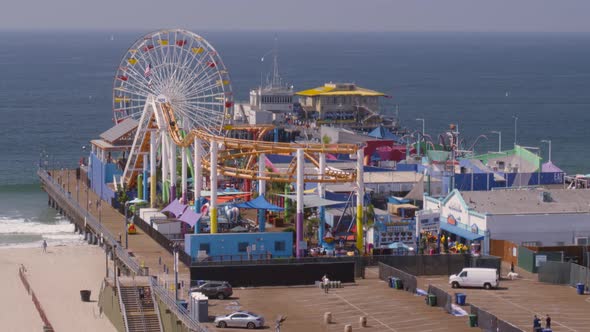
(56, 277)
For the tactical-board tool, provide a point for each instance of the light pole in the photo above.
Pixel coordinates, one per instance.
(548, 141)
(423, 132)
(499, 139)
(175, 252)
(515, 122)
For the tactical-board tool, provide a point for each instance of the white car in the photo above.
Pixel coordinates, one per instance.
(245, 319)
(475, 277)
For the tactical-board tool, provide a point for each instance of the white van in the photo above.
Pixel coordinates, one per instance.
(475, 277)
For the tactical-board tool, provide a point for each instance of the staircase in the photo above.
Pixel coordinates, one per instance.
(142, 315)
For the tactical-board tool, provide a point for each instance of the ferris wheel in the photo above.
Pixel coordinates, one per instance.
(183, 69)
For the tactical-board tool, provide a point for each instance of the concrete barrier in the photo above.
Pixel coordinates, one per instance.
(348, 328)
(328, 318)
(363, 321)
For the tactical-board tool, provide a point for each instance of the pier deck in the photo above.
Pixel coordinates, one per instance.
(516, 301)
(145, 249)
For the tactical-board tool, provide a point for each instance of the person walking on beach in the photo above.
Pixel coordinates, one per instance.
(326, 283)
(548, 322)
(44, 246)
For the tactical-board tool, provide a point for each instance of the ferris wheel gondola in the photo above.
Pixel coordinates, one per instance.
(180, 68)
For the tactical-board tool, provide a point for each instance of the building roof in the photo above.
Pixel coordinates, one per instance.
(528, 201)
(119, 130)
(394, 177)
(340, 89)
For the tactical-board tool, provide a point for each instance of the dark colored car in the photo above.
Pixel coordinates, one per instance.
(217, 289)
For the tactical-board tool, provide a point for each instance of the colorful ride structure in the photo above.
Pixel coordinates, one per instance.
(175, 85)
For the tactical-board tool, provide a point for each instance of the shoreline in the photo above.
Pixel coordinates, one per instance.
(56, 277)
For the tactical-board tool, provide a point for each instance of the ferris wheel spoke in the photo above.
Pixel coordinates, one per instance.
(204, 84)
(199, 97)
(199, 69)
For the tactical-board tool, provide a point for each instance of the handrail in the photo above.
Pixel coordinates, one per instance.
(120, 253)
(122, 304)
(95, 224)
(180, 311)
(139, 304)
(156, 305)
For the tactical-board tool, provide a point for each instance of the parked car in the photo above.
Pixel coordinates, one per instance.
(475, 277)
(240, 319)
(218, 289)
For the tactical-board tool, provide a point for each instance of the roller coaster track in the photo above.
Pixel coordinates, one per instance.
(238, 157)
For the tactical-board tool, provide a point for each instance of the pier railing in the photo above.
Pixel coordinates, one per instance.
(176, 308)
(59, 194)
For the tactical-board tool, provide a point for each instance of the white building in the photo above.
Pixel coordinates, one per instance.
(543, 217)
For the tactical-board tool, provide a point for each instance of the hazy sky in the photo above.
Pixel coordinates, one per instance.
(274, 15)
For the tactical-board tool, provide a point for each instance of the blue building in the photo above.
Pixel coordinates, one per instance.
(240, 246)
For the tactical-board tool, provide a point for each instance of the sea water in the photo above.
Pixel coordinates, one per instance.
(56, 95)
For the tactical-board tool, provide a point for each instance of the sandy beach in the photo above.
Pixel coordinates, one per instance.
(57, 278)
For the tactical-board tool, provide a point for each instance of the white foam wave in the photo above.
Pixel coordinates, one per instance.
(38, 244)
(16, 226)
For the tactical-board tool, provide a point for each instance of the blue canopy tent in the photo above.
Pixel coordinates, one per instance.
(382, 133)
(259, 203)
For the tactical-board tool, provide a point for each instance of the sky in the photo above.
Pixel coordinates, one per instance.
(299, 15)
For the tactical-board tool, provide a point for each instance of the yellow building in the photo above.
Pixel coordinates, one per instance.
(335, 102)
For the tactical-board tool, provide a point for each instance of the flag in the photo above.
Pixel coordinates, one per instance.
(148, 70)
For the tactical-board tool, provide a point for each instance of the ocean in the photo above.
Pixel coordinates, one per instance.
(56, 95)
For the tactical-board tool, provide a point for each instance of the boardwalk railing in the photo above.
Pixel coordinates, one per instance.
(176, 308)
(63, 198)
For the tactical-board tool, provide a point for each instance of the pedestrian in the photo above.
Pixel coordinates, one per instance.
(511, 266)
(44, 246)
(548, 322)
(141, 293)
(536, 324)
(326, 283)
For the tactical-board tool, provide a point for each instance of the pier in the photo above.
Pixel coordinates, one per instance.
(103, 225)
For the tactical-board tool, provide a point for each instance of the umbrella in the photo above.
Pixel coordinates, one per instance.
(398, 245)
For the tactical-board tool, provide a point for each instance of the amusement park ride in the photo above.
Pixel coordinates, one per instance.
(175, 84)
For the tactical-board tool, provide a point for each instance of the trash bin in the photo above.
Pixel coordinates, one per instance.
(85, 295)
(392, 282)
(460, 298)
(472, 320)
(431, 300)
(399, 284)
(580, 288)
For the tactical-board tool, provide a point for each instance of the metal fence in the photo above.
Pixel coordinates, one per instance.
(489, 322)
(443, 299)
(65, 199)
(410, 283)
(564, 273)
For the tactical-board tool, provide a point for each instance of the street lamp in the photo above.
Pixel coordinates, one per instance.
(515, 122)
(548, 141)
(499, 139)
(134, 201)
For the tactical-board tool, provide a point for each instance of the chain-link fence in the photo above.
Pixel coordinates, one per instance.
(409, 282)
(490, 323)
(564, 273)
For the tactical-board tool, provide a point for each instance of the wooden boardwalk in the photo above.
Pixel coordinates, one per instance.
(146, 250)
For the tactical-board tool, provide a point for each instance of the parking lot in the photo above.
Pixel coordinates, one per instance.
(386, 309)
(516, 301)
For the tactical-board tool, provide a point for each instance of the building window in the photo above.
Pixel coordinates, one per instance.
(243, 246)
(206, 247)
(279, 245)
